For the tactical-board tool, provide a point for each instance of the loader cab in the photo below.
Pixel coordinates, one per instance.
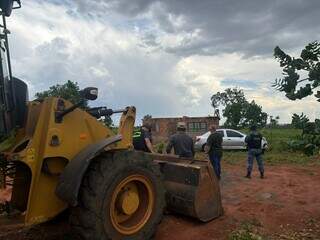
(13, 91)
(4, 94)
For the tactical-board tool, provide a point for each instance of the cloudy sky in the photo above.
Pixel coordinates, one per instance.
(165, 57)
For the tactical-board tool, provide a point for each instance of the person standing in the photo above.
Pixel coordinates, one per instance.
(142, 139)
(214, 149)
(253, 141)
(181, 142)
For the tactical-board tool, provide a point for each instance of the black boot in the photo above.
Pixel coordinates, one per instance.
(262, 175)
(248, 175)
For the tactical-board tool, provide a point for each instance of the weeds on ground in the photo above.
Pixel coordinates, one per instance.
(311, 231)
(271, 158)
(245, 232)
(160, 147)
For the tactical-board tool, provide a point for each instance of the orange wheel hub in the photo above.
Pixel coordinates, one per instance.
(132, 204)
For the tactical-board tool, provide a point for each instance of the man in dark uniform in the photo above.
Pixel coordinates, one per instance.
(214, 149)
(253, 141)
(142, 140)
(181, 142)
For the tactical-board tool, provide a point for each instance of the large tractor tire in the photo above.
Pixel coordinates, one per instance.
(121, 197)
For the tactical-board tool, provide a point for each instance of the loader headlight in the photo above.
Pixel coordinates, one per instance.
(89, 93)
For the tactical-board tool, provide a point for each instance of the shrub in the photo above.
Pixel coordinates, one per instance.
(160, 147)
(309, 141)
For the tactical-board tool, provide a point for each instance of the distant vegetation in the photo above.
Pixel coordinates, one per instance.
(71, 92)
(278, 153)
(239, 113)
(309, 139)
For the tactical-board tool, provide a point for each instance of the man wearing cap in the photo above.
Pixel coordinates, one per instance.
(214, 149)
(181, 142)
(142, 139)
(253, 141)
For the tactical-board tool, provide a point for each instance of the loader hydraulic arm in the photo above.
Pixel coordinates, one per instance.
(99, 112)
(96, 112)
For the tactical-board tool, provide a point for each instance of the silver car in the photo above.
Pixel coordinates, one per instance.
(232, 139)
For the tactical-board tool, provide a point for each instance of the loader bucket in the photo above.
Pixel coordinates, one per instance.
(192, 188)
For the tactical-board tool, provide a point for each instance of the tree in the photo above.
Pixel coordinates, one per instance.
(229, 96)
(238, 111)
(253, 115)
(233, 114)
(308, 62)
(296, 87)
(233, 100)
(274, 121)
(69, 91)
(107, 121)
(299, 121)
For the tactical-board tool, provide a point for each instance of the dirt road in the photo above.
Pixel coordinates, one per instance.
(286, 202)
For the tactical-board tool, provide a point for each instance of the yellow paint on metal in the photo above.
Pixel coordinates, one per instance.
(77, 131)
(55, 165)
(83, 136)
(126, 128)
(130, 217)
(129, 199)
(30, 155)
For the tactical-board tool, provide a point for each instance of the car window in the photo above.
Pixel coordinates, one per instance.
(233, 134)
(220, 132)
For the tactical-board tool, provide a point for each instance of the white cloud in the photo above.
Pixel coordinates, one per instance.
(134, 60)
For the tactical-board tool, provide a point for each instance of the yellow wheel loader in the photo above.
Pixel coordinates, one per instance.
(55, 155)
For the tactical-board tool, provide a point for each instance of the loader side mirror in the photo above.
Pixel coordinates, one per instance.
(89, 93)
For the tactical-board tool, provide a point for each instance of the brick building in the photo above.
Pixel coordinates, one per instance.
(162, 128)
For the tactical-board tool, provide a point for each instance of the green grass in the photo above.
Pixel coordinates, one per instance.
(272, 157)
(277, 152)
(277, 137)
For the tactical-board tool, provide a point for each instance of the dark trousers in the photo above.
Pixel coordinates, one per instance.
(255, 153)
(215, 159)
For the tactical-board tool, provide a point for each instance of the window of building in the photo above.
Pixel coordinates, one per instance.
(197, 126)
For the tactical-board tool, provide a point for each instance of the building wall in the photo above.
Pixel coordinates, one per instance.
(163, 128)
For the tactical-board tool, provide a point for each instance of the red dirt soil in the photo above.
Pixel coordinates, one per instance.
(288, 199)
(5, 195)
